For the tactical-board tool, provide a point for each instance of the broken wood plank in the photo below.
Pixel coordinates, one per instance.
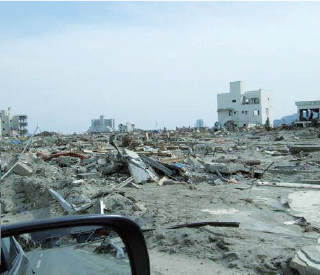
(288, 185)
(65, 205)
(310, 181)
(155, 164)
(170, 160)
(134, 185)
(296, 149)
(198, 224)
(160, 183)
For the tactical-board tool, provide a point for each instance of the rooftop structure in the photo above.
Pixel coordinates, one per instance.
(244, 109)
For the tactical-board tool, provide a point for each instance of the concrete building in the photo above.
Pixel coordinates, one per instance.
(199, 123)
(102, 125)
(6, 121)
(244, 109)
(12, 125)
(308, 112)
(127, 128)
(20, 124)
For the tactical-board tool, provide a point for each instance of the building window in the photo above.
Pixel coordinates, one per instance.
(233, 100)
(267, 111)
(255, 112)
(234, 112)
(245, 112)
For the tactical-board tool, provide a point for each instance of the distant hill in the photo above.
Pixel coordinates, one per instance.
(288, 120)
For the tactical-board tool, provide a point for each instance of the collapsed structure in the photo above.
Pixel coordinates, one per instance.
(235, 202)
(10, 125)
(244, 109)
(308, 113)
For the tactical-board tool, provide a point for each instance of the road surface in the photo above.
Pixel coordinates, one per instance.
(70, 261)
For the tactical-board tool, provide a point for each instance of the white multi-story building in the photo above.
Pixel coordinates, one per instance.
(244, 109)
(12, 125)
(102, 125)
(127, 128)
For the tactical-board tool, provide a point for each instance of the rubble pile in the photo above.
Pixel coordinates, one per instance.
(245, 181)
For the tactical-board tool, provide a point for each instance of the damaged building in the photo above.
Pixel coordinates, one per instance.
(244, 109)
(308, 113)
(10, 125)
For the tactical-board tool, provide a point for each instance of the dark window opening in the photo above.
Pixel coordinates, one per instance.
(233, 100)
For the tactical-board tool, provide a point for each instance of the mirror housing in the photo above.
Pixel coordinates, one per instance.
(127, 229)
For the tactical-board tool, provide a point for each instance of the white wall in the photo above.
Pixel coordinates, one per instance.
(267, 103)
(245, 113)
(248, 117)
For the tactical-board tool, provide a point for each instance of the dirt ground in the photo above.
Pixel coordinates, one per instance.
(275, 221)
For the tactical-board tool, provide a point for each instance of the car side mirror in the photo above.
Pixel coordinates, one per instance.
(87, 244)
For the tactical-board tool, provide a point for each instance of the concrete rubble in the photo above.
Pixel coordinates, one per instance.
(162, 179)
(22, 169)
(307, 260)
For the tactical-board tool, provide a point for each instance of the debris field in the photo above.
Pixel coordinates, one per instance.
(211, 202)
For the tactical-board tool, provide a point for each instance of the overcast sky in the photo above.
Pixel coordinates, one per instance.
(64, 63)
